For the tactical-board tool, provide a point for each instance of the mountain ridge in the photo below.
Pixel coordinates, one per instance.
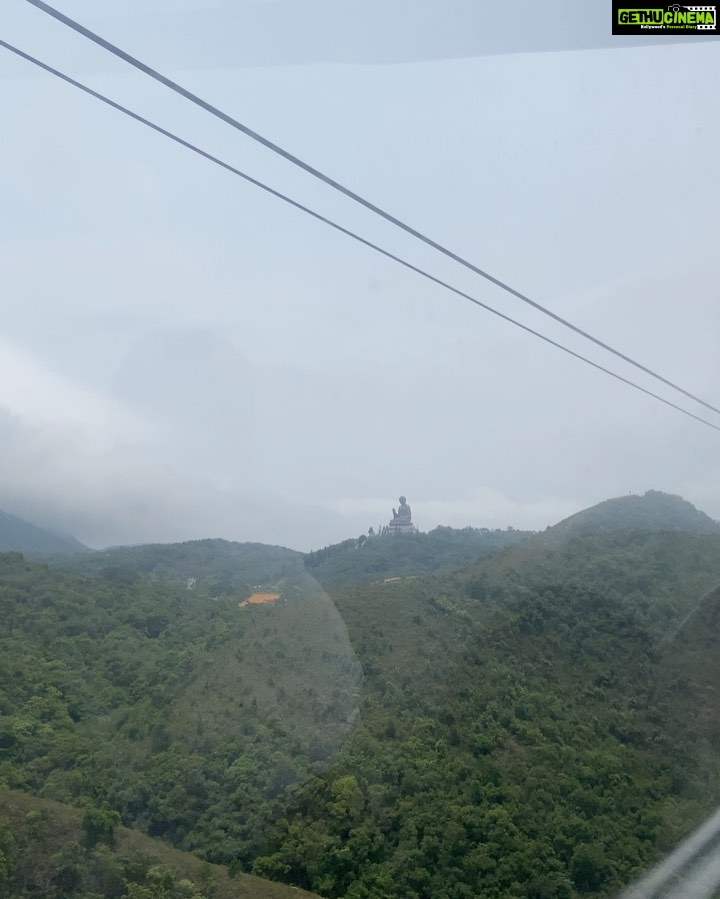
(18, 535)
(652, 511)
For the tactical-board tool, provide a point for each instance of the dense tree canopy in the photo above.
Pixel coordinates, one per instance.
(536, 725)
(377, 558)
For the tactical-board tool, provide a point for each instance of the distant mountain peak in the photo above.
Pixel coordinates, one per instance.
(20, 536)
(651, 511)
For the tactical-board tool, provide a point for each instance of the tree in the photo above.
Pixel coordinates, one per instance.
(99, 826)
(589, 868)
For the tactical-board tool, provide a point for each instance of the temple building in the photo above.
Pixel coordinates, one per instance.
(401, 522)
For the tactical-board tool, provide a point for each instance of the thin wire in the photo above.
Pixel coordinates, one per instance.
(316, 173)
(321, 218)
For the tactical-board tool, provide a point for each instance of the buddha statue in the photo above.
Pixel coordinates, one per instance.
(403, 514)
(401, 521)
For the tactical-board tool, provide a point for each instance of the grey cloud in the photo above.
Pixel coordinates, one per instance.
(213, 364)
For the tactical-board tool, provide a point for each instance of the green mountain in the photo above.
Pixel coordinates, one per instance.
(48, 849)
(378, 558)
(654, 511)
(522, 733)
(539, 724)
(223, 568)
(166, 705)
(213, 567)
(692, 666)
(17, 535)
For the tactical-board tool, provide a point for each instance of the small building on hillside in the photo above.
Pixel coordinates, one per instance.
(259, 599)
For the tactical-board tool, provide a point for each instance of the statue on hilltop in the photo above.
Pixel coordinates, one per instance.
(401, 522)
(403, 514)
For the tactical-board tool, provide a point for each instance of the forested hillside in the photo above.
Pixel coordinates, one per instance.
(17, 535)
(653, 511)
(48, 849)
(218, 568)
(223, 568)
(524, 732)
(537, 725)
(189, 716)
(377, 558)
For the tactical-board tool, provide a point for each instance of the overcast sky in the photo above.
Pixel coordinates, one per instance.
(182, 356)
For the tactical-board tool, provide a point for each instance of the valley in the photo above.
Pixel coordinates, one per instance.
(539, 722)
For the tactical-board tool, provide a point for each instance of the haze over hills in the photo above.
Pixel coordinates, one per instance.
(446, 549)
(17, 535)
(377, 558)
(216, 567)
(354, 560)
(653, 511)
(536, 724)
(221, 568)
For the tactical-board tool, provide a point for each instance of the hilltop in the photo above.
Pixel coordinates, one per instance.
(20, 536)
(653, 511)
(214, 567)
(219, 567)
(377, 558)
(224, 568)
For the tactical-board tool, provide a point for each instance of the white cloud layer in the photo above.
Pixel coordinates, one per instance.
(181, 356)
